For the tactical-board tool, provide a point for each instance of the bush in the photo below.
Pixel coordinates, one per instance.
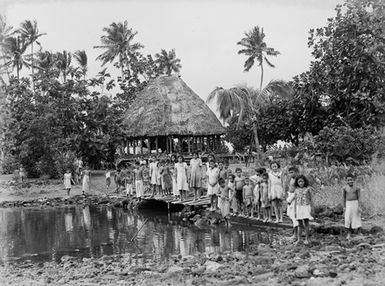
(9, 164)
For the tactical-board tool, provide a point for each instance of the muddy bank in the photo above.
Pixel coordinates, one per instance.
(329, 260)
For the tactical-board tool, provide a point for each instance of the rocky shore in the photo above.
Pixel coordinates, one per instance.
(328, 260)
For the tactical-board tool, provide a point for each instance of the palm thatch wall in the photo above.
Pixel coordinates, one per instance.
(168, 107)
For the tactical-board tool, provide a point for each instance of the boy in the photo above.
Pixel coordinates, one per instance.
(352, 206)
(239, 183)
(212, 184)
(248, 197)
(265, 197)
(129, 181)
(257, 179)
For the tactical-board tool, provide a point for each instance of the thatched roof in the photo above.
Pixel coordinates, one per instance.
(167, 106)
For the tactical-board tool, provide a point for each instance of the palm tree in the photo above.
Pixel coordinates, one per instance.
(30, 33)
(63, 63)
(256, 49)
(5, 32)
(117, 43)
(81, 58)
(168, 62)
(14, 49)
(246, 103)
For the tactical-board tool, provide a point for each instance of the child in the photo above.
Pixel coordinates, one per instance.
(257, 179)
(290, 188)
(248, 197)
(352, 206)
(165, 179)
(239, 183)
(276, 190)
(222, 174)
(154, 175)
(86, 181)
(196, 175)
(129, 181)
(22, 174)
(265, 197)
(225, 193)
(303, 206)
(181, 177)
(108, 179)
(212, 184)
(138, 177)
(67, 181)
(233, 201)
(175, 190)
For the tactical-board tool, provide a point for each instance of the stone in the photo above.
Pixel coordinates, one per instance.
(212, 266)
(174, 269)
(302, 272)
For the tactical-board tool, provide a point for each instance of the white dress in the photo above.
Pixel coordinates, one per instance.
(154, 171)
(67, 180)
(181, 178)
(276, 189)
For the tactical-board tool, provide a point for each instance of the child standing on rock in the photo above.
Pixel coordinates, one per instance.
(108, 179)
(290, 188)
(86, 181)
(352, 206)
(212, 184)
(67, 181)
(303, 206)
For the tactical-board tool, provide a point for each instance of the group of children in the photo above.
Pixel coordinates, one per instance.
(263, 194)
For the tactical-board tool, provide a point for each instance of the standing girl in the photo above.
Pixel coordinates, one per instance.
(86, 180)
(212, 184)
(196, 175)
(225, 194)
(181, 177)
(303, 206)
(67, 181)
(138, 176)
(276, 190)
(265, 197)
(154, 175)
(165, 178)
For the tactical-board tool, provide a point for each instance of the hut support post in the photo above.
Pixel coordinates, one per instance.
(141, 146)
(156, 144)
(189, 144)
(134, 147)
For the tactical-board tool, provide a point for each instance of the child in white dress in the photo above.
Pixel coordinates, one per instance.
(67, 181)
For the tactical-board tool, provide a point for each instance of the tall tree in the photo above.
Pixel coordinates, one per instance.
(30, 32)
(118, 44)
(348, 72)
(5, 32)
(14, 49)
(63, 63)
(81, 58)
(256, 50)
(168, 62)
(246, 102)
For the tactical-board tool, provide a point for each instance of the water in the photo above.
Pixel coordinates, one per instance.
(48, 234)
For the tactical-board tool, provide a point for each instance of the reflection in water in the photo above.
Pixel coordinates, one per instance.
(93, 231)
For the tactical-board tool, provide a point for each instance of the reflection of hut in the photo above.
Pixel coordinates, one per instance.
(167, 116)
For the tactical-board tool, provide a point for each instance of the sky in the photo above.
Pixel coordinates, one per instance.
(203, 33)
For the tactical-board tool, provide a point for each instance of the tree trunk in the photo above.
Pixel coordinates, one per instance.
(33, 83)
(260, 85)
(256, 140)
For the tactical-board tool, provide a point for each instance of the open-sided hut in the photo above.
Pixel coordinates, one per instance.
(167, 116)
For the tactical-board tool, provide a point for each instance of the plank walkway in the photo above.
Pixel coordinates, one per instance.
(188, 202)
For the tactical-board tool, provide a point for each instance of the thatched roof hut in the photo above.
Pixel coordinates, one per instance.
(167, 109)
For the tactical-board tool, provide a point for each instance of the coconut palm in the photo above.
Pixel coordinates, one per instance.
(246, 103)
(168, 62)
(13, 53)
(81, 58)
(63, 63)
(118, 43)
(30, 33)
(5, 32)
(256, 50)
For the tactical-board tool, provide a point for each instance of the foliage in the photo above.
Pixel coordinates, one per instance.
(240, 136)
(344, 142)
(348, 72)
(168, 62)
